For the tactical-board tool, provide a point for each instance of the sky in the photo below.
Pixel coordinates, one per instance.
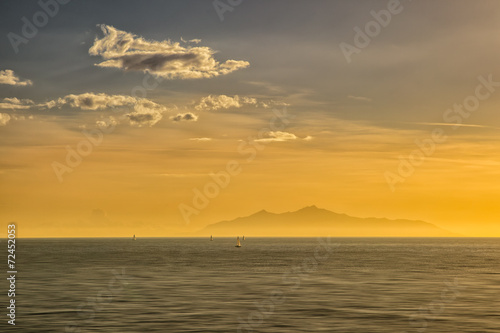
(158, 118)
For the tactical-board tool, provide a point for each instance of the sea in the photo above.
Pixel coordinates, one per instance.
(266, 285)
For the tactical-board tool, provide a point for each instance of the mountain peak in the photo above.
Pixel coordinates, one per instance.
(312, 207)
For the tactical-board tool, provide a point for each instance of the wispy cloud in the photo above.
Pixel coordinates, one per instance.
(100, 101)
(216, 102)
(106, 123)
(454, 125)
(144, 111)
(9, 77)
(16, 103)
(167, 59)
(359, 98)
(195, 41)
(200, 139)
(278, 136)
(4, 119)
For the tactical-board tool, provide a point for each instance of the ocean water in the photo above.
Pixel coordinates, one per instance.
(267, 285)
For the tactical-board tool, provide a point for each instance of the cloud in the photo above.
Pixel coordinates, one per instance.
(452, 124)
(271, 104)
(279, 136)
(145, 112)
(200, 139)
(16, 104)
(92, 101)
(138, 112)
(144, 117)
(16, 117)
(195, 41)
(167, 59)
(9, 77)
(188, 116)
(4, 119)
(359, 98)
(216, 102)
(106, 123)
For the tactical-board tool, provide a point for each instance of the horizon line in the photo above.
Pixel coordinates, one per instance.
(151, 237)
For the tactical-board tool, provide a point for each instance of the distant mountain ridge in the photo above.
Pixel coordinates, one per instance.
(312, 221)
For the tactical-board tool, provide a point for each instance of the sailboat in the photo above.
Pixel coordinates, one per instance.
(133, 238)
(238, 244)
(243, 237)
(211, 238)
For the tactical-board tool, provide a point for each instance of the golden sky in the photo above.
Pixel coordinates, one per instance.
(109, 126)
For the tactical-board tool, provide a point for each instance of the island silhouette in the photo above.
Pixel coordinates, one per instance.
(312, 221)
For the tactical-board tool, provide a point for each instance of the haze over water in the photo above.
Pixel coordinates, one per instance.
(267, 285)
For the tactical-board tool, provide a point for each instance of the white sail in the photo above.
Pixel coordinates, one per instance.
(133, 238)
(238, 244)
(211, 238)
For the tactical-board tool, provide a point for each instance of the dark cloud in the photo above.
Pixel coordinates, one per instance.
(167, 59)
(185, 117)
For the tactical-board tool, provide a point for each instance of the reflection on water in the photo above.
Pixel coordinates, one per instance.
(267, 285)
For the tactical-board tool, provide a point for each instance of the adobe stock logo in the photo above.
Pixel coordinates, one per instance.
(40, 19)
(84, 148)
(249, 149)
(453, 118)
(221, 7)
(372, 29)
